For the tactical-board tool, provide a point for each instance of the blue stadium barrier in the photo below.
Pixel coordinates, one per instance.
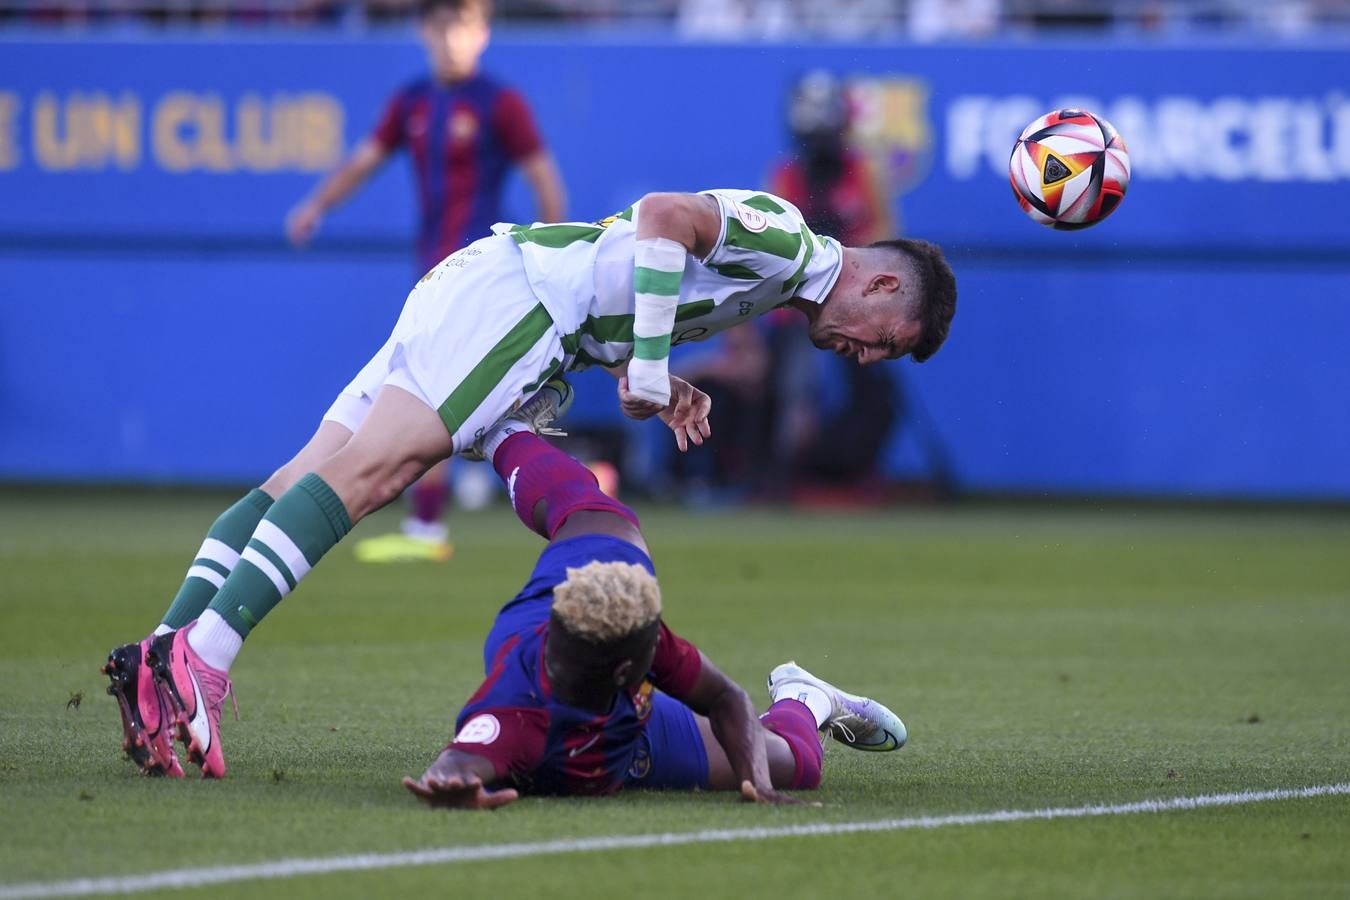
(154, 325)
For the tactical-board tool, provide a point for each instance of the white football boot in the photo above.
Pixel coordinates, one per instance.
(535, 415)
(858, 722)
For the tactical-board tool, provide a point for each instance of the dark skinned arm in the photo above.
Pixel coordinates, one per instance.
(459, 780)
(737, 728)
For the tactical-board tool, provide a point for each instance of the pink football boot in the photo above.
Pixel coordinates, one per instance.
(146, 714)
(196, 692)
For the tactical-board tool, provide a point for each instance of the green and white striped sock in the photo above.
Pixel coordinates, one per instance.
(215, 560)
(305, 523)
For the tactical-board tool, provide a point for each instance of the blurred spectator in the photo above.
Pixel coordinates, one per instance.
(936, 20)
(734, 373)
(833, 184)
(851, 19)
(1059, 15)
(921, 20)
(736, 19)
(839, 194)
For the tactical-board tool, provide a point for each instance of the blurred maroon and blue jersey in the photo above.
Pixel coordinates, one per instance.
(544, 746)
(462, 137)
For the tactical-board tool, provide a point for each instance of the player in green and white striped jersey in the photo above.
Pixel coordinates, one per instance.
(681, 267)
(640, 291)
(486, 329)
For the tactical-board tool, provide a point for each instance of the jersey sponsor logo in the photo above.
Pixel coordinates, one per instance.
(481, 729)
(696, 333)
(753, 220)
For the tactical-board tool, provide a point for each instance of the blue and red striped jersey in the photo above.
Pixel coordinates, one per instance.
(462, 138)
(535, 741)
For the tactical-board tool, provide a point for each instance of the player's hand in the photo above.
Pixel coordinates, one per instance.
(687, 414)
(633, 406)
(766, 794)
(457, 791)
(302, 223)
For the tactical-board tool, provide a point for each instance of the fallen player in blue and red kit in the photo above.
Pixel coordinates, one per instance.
(588, 691)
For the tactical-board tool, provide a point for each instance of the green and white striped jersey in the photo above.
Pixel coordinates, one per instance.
(583, 273)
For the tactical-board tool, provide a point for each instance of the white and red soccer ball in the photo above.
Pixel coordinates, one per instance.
(1069, 169)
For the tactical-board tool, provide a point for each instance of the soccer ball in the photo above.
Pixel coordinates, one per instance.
(1069, 169)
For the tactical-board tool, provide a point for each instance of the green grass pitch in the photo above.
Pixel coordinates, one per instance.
(1040, 656)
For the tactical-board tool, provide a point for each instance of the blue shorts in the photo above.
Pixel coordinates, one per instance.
(670, 753)
(530, 608)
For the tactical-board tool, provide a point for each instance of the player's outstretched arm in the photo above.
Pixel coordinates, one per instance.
(303, 221)
(458, 780)
(737, 729)
(669, 228)
(542, 175)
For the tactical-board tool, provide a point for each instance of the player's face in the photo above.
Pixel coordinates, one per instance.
(454, 41)
(869, 321)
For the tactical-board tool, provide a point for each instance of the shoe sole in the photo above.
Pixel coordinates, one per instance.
(159, 667)
(889, 744)
(122, 676)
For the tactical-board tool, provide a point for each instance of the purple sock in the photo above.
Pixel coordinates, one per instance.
(534, 470)
(792, 721)
(428, 499)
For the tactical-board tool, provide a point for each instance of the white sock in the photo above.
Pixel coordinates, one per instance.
(215, 641)
(814, 698)
(499, 435)
(433, 532)
(161, 628)
(507, 427)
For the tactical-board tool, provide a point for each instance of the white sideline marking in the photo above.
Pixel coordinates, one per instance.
(290, 868)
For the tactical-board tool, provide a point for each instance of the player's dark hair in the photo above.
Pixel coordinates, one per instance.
(937, 292)
(427, 7)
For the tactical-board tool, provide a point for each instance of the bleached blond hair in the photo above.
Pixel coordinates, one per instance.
(607, 601)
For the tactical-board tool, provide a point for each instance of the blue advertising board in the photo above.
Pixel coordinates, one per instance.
(1189, 345)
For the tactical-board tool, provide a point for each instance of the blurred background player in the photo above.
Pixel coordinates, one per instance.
(463, 131)
(587, 690)
(832, 437)
(838, 191)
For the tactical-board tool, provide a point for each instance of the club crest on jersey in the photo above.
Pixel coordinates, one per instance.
(642, 701)
(641, 765)
(751, 219)
(481, 729)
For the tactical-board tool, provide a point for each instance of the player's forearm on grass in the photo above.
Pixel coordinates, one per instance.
(349, 176)
(731, 714)
(738, 730)
(457, 763)
(549, 194)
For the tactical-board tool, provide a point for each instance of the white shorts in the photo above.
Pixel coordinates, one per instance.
(472, 342)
